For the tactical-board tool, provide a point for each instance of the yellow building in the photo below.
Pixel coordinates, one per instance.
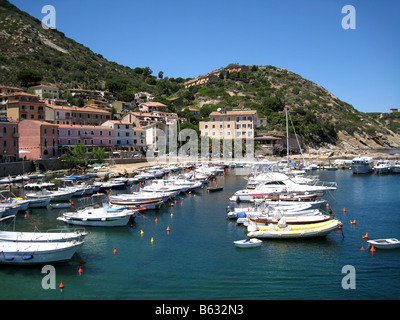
(230, 125)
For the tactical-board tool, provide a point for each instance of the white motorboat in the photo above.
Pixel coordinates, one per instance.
(32, 253)
(300, 219)
(248, 243)
(9, 209)
(163, 186)
(138, 204)
(382, 166)
(52, 235)
(395, 168)
(311, 167)
(361, 165)
(271, 211)
(126, 181)
(109, 185)
(156, 173)
(385, 243)
(316, 204)
(279, 182)
(52, 195)
(76, 190)
(267, 177)
(39, 186)
(38, 202)
(100, 214)
(7, 196)
(182, 184)
(99, 217)
(144, 196)
(144, 176)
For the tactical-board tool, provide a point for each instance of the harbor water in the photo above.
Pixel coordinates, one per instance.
(197, 260)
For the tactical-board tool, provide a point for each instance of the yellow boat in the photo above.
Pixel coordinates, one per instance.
(296, 231)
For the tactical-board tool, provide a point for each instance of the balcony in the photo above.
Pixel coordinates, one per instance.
(15, 134)
(86, 135)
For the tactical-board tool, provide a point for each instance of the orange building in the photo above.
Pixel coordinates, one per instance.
(21, 106)
(39, 138)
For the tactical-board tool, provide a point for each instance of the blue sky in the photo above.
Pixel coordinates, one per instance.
(187, 38)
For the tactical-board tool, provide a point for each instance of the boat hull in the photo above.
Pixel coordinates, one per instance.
(97, 222)
(385, 243)
(303, 231)
(38, 203)
(33, 253)
(42, 236)
(292, 220)
(248, 243)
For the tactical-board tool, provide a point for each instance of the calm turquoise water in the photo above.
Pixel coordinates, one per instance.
(197, 260)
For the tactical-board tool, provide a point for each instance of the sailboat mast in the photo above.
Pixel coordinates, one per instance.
(287, 135)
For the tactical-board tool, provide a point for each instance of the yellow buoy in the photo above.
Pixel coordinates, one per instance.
(152, 240)
(141, 232)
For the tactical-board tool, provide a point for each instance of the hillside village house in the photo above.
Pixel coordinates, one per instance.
(45, 91)
(213, 76)
(230, 125)
(192, 111)
(122, 106)
(21, 105)
(123, 133)
(99, 104)
(144, 96)
(91, 136)
(151, 106)
(39, 138)
(6, 90)
(177, 102)
(202, 80)
(91, 94)
(9, 135)
(141, 119)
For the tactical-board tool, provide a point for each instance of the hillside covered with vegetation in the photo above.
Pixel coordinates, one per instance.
(31, 55)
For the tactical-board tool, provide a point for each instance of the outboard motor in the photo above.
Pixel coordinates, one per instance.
(229, 209)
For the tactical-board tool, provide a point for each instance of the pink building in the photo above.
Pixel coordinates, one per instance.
(92, 136)
(38, 138)
(8, 140)
(152, 106)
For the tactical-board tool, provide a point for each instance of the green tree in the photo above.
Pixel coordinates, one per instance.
(116, 85)
(76, 156)
(161, 74)
(29, 77)
(147, 71)
(99, 155)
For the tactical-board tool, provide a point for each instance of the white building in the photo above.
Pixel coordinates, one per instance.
(50, 91)
(123, 133)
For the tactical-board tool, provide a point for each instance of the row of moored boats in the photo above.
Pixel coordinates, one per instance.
(282, 204)
(91, 208)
